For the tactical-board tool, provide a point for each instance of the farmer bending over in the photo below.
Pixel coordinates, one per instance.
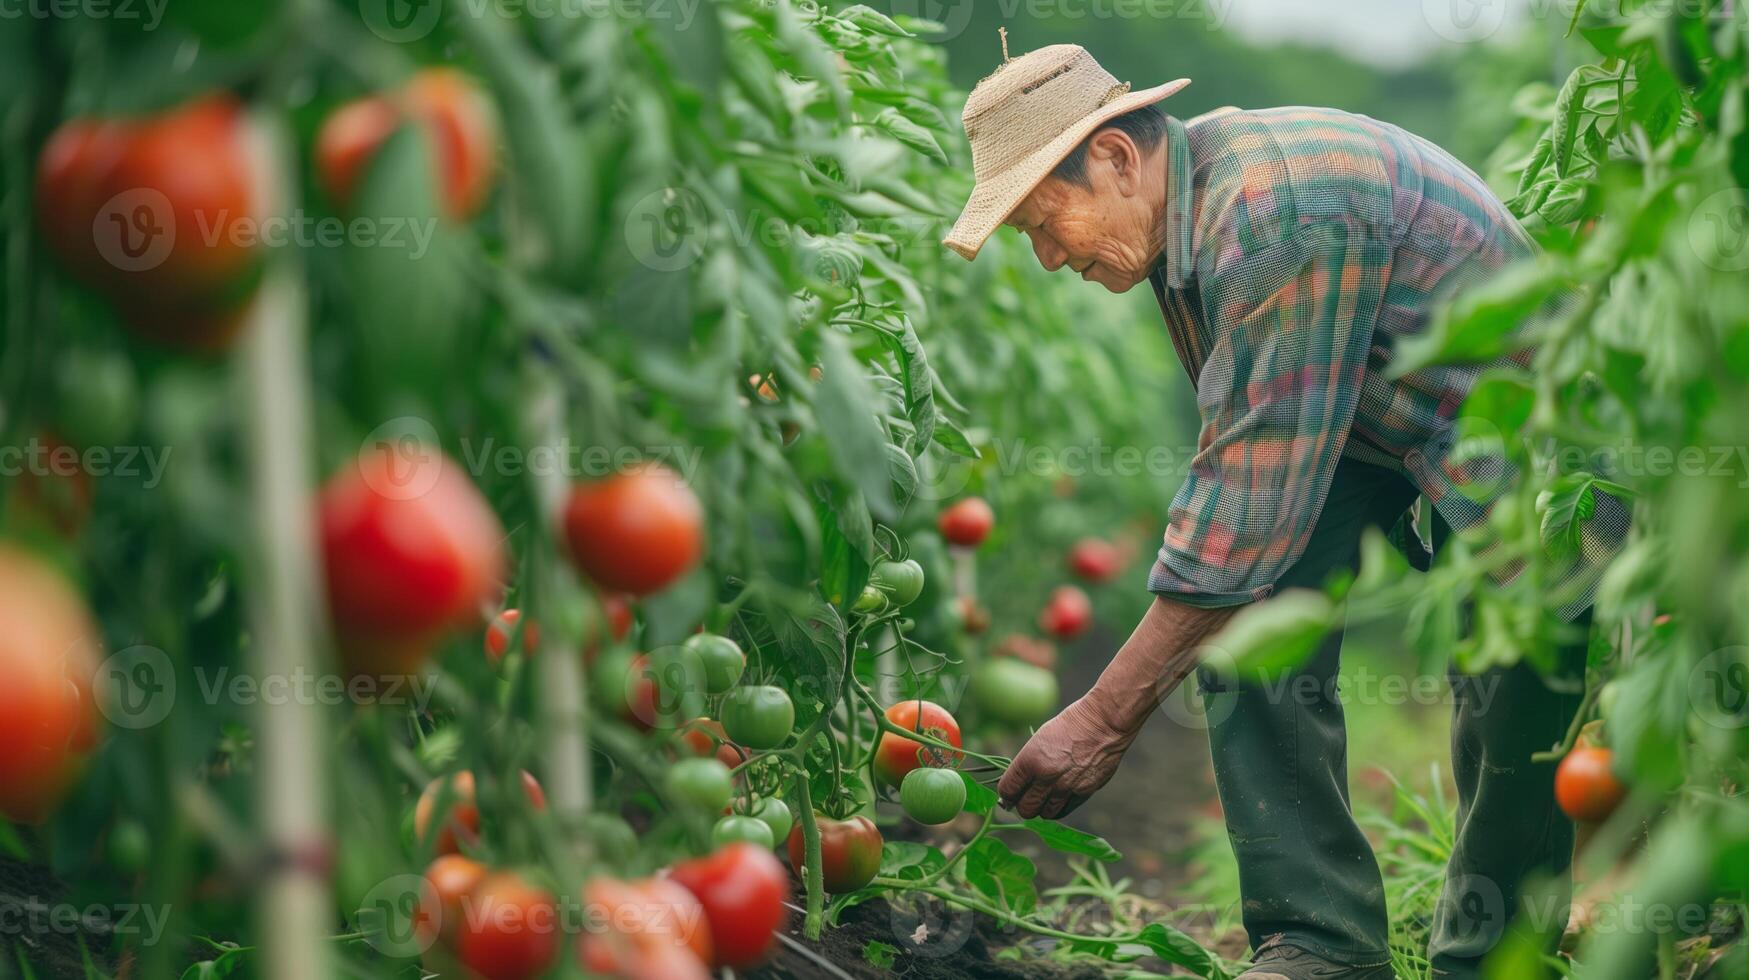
(1290, 249)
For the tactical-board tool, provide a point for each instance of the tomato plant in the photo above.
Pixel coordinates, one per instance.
(455, 796)
(503, 627)
(455, 118)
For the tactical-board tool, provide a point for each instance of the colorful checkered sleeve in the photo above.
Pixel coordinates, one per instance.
(1290, 328)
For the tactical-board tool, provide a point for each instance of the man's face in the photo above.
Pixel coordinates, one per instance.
(1107, 232)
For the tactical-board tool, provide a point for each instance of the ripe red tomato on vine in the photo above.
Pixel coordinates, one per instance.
(164, 214)
(512, 929)
(454, 116)
(850, 852)
(636, 531)
(410, 549)
(652, 928)
(896, 755)
(743, 889)
(967, 522)
(1586, 786)
(463, 823)
(1067, 614)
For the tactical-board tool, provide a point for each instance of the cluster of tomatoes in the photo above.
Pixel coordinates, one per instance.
(165, 215)
(720, 910)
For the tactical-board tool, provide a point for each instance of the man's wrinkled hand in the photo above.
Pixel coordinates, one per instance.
(1064, 763)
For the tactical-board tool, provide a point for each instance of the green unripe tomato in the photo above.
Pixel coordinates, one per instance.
(609, 834)
(932, 795)
(721, 658)
(736, 828)
(703, 783)
(871, 600)
(1013, 692)
(902, 581)
(758, 717)
(97, 397)
(129, 846)
(774, 814)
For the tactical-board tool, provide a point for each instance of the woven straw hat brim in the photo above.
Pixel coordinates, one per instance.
(993, 200)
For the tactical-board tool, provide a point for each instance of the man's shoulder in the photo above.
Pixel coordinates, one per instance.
(1261, 175)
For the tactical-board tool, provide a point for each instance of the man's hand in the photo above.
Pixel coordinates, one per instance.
(1076, 752)
(1064, 763)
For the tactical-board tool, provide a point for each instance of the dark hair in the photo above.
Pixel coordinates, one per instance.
(1147, 126)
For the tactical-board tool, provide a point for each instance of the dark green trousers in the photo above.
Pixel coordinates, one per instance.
(1306, 873)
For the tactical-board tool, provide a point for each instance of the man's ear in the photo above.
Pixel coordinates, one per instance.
(1114, 150)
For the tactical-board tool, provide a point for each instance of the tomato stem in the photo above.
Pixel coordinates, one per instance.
(814, 876)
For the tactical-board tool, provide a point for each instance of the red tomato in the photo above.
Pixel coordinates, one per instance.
(1037, 652)
(633, 928)
(617, 610)
(636, 531)
(850, 852)
(456, 118)
(706, 737)
(450, 878)
(503, 628)
(463, 825)
(49, 654)
(1585, 785)
(1067, 614)
(742, 888)
(896, 755)
(511, 929)
(974, 619)
(411, 549)
(165, 214)
(1095, 560)
(967, 522)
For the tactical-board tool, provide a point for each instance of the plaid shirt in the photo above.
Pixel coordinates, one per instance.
(1300, 244)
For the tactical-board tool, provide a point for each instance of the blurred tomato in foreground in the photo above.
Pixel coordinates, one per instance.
(463, 823)
(967, 522)
(49, 655)
(1095, 560)
(1067, 614)
(743, 888)
(410, 549)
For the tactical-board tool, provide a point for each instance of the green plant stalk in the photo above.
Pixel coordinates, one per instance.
(815, 878)
(941, 872)
(924, 738)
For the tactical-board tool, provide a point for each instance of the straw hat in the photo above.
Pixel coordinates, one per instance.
(1024, 119)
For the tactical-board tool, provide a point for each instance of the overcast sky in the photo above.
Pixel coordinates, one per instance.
(1388, 32)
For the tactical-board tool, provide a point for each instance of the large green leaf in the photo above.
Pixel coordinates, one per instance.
(1270, 637)
(854, 438)
(1002, 876)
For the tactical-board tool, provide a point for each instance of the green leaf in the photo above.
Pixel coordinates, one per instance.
(1565, 506)
(949, 436)
(1177, 947)
(854, 439)
(980, 799)
(879, 955)
(1004, 877)
(1068, 840)
(912, 135)
(1503, 398)
(1565, 203)
(919, 378)
(847, 545)
(1484, 322)
(870, 19)
(1272, 636)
